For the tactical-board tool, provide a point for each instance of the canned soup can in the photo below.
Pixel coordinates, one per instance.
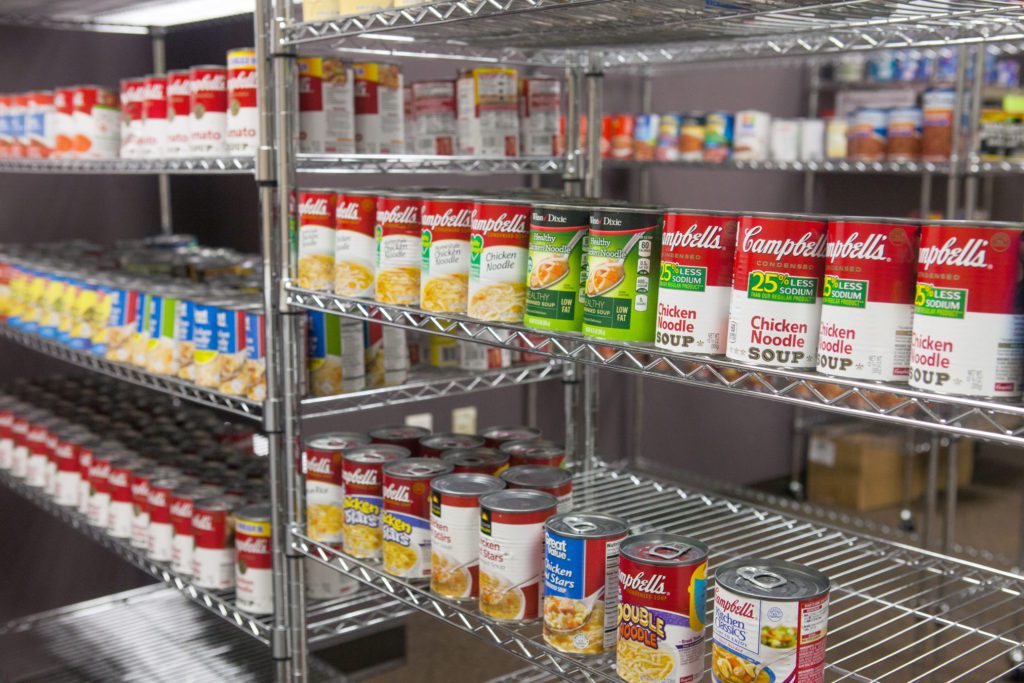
(534, 452)
(446, 224)
(364, 497)
(770, 614)
(482, 460)
(406, 436)
(581, 568)
(495, 436)
(213, 533)
(499, 252)
(435, 445)
(325, 487)
(254, 574)
(316, 239)
(555, 288)
(697, 250)
(455, 533)
(406, 516)
(354, 244)
(662, 598)
(968, 329)
(868, 299)
(775, 310)
(553, 480)
(399, 238)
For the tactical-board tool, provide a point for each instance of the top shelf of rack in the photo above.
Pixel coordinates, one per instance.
(121, 16)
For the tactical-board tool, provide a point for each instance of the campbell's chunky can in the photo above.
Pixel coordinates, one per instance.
(379, 114)
(406, 515)
(556, 271)
(695, 284)
(355, 247)
(152, 142)
(213, 533)
(488, 112)
(406, 436)
(775, 310)
(581, 571)
(325, 488)
(498, 261)
(316, 239)
(326, 106)
(868, 299)
(254, 583)
(554, 480)
(482, 460)
(455, 533)
(133, 97)
(243, 116)
(534, 452)
(398, 248)
(433, 123)
(435, 445)
(179, 107)
(183, 499)
(96, 114)
(446, 223)
(209, 111)
(770, 621)
(364, 497)
(968, 329)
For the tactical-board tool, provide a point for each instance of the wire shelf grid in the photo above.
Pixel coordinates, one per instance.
(423, 163)
(821, 166)
(199, 165)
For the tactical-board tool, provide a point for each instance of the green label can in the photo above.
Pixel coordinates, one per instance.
(554, 295)
(623, 254)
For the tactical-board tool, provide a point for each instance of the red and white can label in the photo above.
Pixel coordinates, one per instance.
(208, 121)
(325, 496)
(213, 555)
(406, 522)
(140, 510)
(364, 502)
(133, 96)
(154, 118)
(99, 497)
(254, 582)
(179, 107)
(540, 110)
(455, 546)
(695, 282)
(35, 467)
(160, 532)
(867, 300)
(398, 250)
(775, 309)
(316, 239)
(50, 470)
(96, 115)
(498, 261)
(243, 115)
(446, 225)
(182, 542)
(119, 522)
(326, 106)
(512, 564)
(380, 116)
(488, 113)
(968, 335)
(63, 122)
(67, 481)
(6, 439)
(355, 248)
(85, 486)
(433, 117)
(19, 448)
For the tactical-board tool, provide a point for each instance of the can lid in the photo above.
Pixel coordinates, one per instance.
(196, 67)
(873, 220)
(642, 209)
(377, 453)
(518, 500)
(536, 475)
(168, 482)
(467, 484)
(241, 49)
(664, 549)
(337, 441)
(774, 579)
(227, 501)
(510, 432)
(784, 216)
(532, 448)
(398, 432)
(502, 201)
(586, 525)
(479, 456)
(446, 442)
(194, 491)
(702, 212)
(417, 468)
(1003, 225)
(257, 512)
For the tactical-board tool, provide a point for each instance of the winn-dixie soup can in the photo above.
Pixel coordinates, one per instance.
(355, 248)
(398, 248)
(581, 568)
(406, 517)
(499, 251)
(254, 573)
(662, 598)
(868, 299)
(512, 553)
(445, 224)
(968, 335)
(364, 497)
(697, 250)
(775, 309)
(623, 253)
(555, 288)
(769, 613)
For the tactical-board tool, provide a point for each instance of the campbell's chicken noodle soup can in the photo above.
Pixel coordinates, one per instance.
(446, 224)
(435, 445)
(553, 480)
(183, 499)
(488, 112)
(778, 273)
(455, 533)
(480, 460)
(398, 236)
(868, 299)
(355, 246)
(213, 533)
(152, 141)
(85, 487)
(67, 478)
(326, 106)
(39, 122)
(96, 114)
(406, 515)
(160, 531)
(581, 574)
(179, 108)
(316, 239)
(362, 472)
(495, 436)
(512, 553)
(406, 436)
(325, 487)
(254, 583)
(770, 621)
(662, 597)
(968, 328)
(119, 482)
(433, 120)
(556, 274)
(499, 255)
(379, 112)
(695, 284)
(133, 95)
(208, 106)
(534, 452)
(243, 116)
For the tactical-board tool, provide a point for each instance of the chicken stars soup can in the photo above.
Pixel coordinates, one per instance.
(775, 310)
(354, 246)
(398, 248)
(968, 329)
(555, 288)
(323, 459)
(662, 597)
(364, 497)
(499, 250)
(695, 282)
(868, 299)
(446, 223)
(406, 516)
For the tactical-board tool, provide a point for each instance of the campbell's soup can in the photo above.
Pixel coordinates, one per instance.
(446, 224)
(581, 568)
(968, 329)
(512, 553)
(868, 299)
(160, 532)
(327, 121)
(98, 510)
(498, 262)
(621, 292)
(775, 310)
(362, 471)
(554, 480)
(243, 118)
(770, 619)
(152, 141)
(398, 236)
(379, 113)
(139, 484)
(7, 407)
(39, 125)
(38, 453)
(662, 598)
(213, 533)
(325, 487)
(183, 499)
(455, 533)
(433, 120)
(316, 239)
(481, 460)
(85, 453)
(67, 476)
(254, 573)
(96, 114)
(556, 271)
(435, 445)
(534, 452)
(19, 449)
(179, 107)
(355, 247)
(695, 284)
(406, 436)
(133, 97)
(488, 112)
(208, 108)
(406, 515)
(495, 436)
(119, 483)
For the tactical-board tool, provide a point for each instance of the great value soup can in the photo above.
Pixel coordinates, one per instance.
(695, 284)
(364, 497)
(406, 515)
(868, 299)
(581, 568)
(446, 223)
(770, 622)
(968, 329)
(662, 598)
(775, 310)
(621, 291)
(399, 237)
(355, 248)
(555, 288)
(498, 259)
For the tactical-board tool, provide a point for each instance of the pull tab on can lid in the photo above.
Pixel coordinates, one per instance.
(762, 577)
(771, 579)
(659, 548)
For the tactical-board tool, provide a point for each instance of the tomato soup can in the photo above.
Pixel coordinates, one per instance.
(968, 329)
(446, 223)
(534, 452)
(495, 436)
(499, 252)
(316, 239)
(243, 116)
(435, 445)
(154, 117)
(7, 407)
(482, 460)
(868, 299)
(140, 479)
(213, 531)
(695, 284)
(362, 472)
(553, 480)
(771, 614)
(455, 533)
(398, 234)
(254, 582)
(19, 452)
(556, 280)
(406, 515)
(621, 291)
(98, 511)
(775, 310)
(38, 453)
(183, 498)
(179, 107)
(324, 457)
(355, 248)
(209, 111)
(406, 436)
(662, 598)
(512, 553)
(160, 532)
(581, 568)
(119, 483)
(68, 477)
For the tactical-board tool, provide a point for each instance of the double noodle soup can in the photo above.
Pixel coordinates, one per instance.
(555, 285)
(364, 497)
(406, 516)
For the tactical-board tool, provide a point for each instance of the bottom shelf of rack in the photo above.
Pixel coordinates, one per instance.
(897, 613)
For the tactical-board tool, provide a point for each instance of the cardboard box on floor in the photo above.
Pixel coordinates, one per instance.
(862, 467)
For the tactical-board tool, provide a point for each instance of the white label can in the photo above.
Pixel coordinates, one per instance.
(751, 135)
(243, 115)
(488, 113)
(254, 573)
(380, 115)
(209, 106)
(433, 117)
(326, 106)
(446, 223)
(540, 111)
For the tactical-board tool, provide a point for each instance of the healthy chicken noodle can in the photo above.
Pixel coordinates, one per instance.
(446, 224)
(364, 497)
(498, 259)
(398, 248)
(355, 215)
(316, 239)
(406, 516)
(556, 284)
(770, 622)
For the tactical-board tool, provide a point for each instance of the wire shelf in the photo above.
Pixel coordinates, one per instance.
(897, 613)
(422, 163)
(899, 404)
(204, 165)
(823, 166)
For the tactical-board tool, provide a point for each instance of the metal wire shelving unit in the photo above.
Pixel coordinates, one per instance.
(823, 166)
(199, 165)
